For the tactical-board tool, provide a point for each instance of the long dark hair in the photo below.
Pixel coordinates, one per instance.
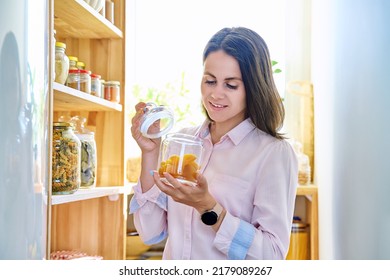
(263, 103)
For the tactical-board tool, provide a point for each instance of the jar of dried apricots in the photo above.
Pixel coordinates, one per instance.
(180, 156)
(65, 159)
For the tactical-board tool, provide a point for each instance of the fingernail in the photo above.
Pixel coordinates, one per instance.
(151, 172)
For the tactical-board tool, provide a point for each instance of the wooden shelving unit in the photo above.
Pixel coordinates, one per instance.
(310, 193)
(93, 220)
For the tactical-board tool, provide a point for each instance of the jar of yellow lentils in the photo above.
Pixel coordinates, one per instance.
(66, 159)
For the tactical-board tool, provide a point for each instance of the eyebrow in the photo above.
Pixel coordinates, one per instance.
(226, 79)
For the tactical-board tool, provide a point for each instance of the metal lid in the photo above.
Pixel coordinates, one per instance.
(62, 124)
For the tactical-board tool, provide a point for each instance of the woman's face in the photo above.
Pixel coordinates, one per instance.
(223, 92)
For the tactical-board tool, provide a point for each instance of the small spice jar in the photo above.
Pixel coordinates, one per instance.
(112, 91)
(103, 82)
(80, 65)
(80, 80)
(62, 63)
(65, 159)
(73, 62)
(96, 85)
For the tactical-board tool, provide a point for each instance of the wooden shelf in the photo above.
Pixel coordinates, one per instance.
(306, 190)
(69, 99)
(76, 19)
(84, 194)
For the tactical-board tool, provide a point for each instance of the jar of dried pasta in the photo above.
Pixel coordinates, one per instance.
(66, 159)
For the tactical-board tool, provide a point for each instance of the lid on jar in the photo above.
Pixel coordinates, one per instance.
(161, 116)
(74, 71)
(83, 71)
(80, 65)
(95, 76)
(73, 58)
(62, 124)
(61, 45)
(112, 83)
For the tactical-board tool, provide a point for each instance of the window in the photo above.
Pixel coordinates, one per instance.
(170, 36)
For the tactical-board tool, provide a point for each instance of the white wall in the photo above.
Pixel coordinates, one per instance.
(351, 74)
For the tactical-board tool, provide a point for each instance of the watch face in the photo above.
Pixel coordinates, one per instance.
(209, 218)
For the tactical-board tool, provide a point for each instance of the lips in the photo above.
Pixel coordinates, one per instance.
(217, 106)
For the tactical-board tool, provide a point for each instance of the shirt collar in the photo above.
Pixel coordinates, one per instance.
(236, 134)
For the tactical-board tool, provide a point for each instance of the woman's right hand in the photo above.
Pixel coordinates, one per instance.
(146, 145)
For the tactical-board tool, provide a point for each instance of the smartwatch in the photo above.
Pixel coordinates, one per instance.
(210, 217)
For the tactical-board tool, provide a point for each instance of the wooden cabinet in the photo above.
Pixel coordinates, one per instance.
(93, 220)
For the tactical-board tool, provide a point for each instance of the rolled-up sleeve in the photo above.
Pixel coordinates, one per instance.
(149, 210)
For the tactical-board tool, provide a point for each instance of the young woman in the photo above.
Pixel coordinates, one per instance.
(242, 206)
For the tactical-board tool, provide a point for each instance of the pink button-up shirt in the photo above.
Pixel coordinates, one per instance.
(253, 175)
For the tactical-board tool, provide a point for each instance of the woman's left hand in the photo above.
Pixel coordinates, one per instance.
(197, 196)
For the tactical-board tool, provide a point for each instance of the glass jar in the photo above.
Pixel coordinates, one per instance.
(153, 114)
(103, 82)
(304, 169)
(112, 91)
(109, 9)
(80, 80)
(299, 241)
(96, 85)
(180, 156)
(62, 63)
(73, 62)
(80, 65)
(88, 159)
(65, 159)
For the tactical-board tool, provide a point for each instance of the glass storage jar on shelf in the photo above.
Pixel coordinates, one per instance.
(80, 80)
(304, 168)
(73, 62)
(88, 159)
(88, 166)
(80, 65)
(112, 91)
(66, 159)
(96, 85)
(62, 63)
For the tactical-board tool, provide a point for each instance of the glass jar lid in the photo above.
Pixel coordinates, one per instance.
(62, 124)
(157, 121)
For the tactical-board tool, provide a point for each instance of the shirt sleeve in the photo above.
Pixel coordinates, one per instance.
(267, 234)
(149, 210)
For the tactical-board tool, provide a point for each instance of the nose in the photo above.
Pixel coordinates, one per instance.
(218, 92)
